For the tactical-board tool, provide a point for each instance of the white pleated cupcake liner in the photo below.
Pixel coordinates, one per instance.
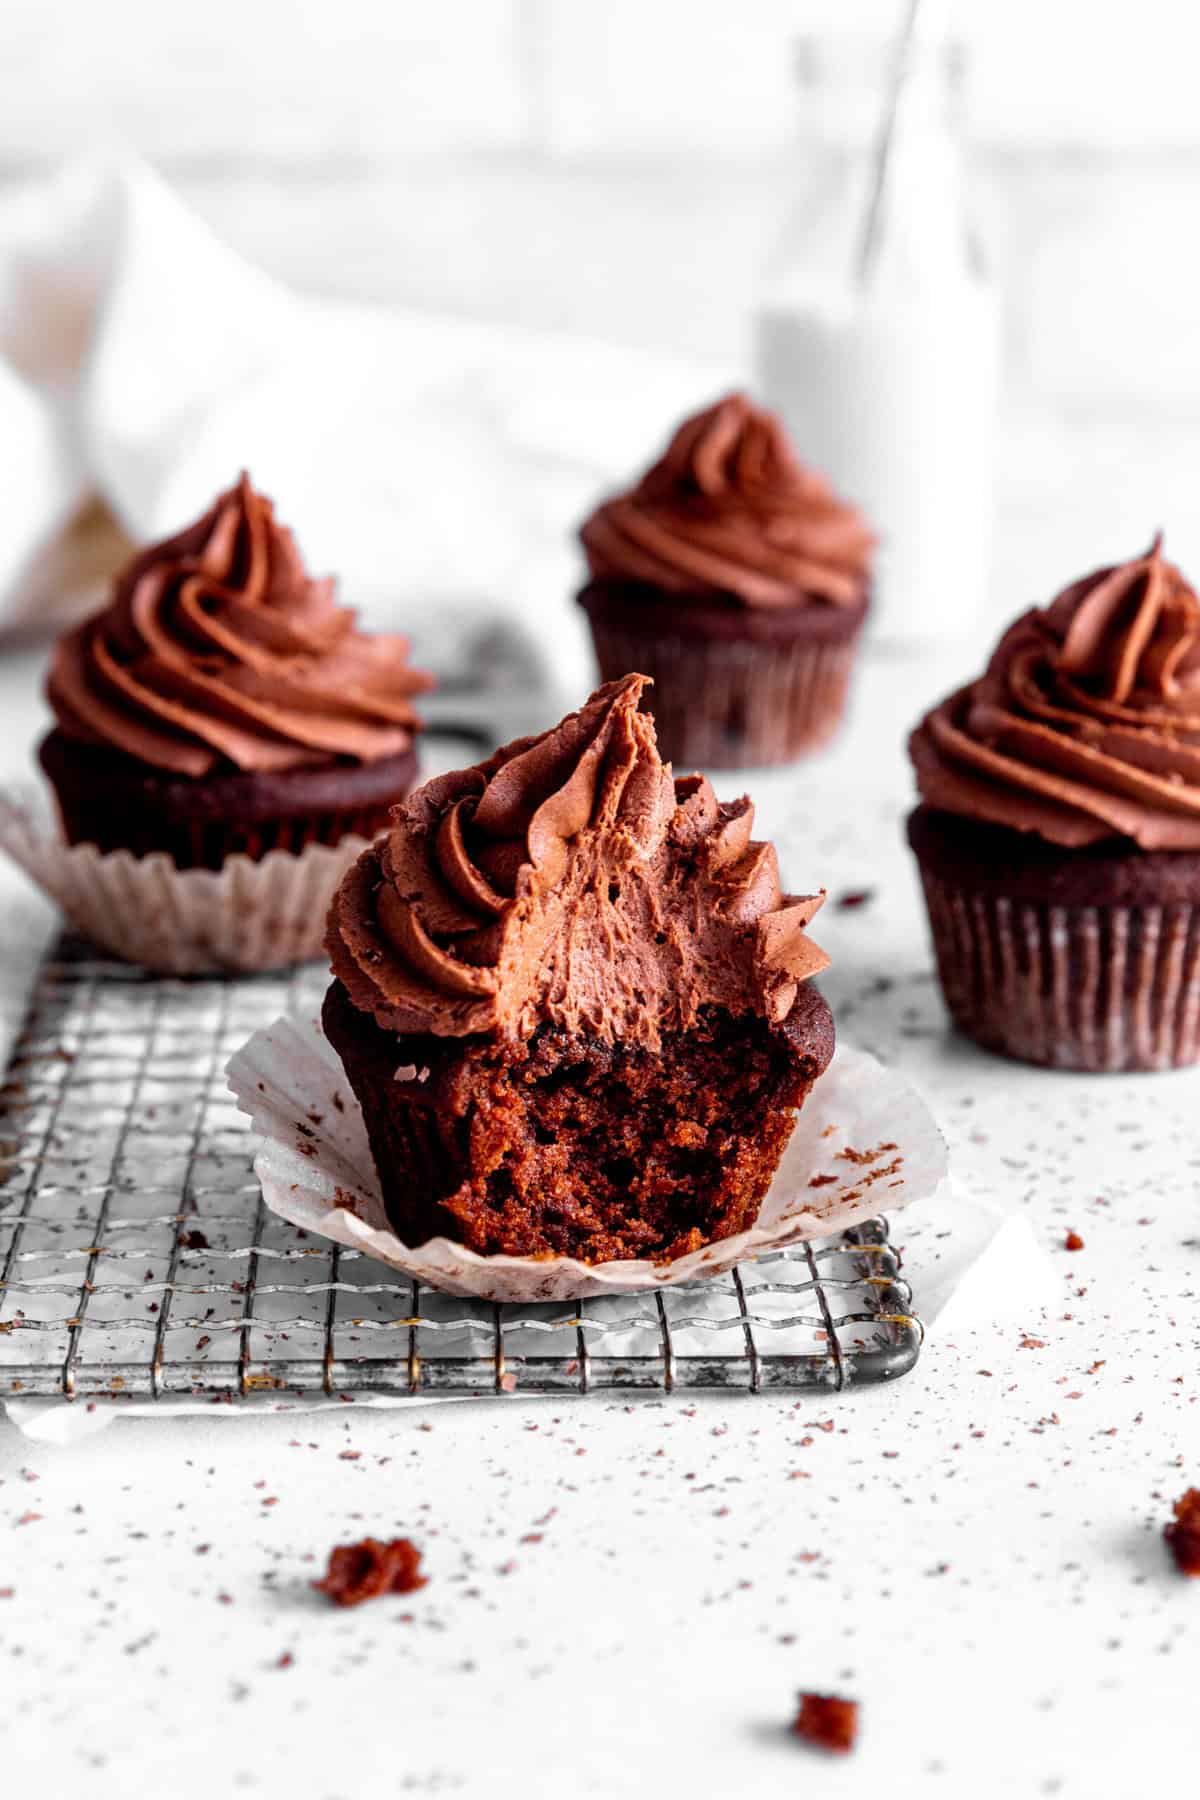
(242, 918)
(864, 1143)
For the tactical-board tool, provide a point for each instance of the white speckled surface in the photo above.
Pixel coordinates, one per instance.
(625, 1597)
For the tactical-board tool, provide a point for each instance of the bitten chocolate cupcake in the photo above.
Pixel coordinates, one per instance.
(223, 704)
(1058, 834)
(574, 1001)
(739, 582)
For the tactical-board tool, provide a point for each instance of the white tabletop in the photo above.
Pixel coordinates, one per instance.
(624, 1597)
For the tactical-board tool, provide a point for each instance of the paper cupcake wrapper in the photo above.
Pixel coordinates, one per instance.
(864, 1143)
(247, 916)
(1095, 988)
(734, 705)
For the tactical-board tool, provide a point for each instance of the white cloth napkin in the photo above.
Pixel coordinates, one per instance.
(436, 465)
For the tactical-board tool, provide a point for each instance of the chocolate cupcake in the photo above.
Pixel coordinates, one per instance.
(1058, 834)
(222, 704)
(738, 581)
(574, 1002)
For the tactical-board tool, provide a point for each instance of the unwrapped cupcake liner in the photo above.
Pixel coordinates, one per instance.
(1094, 988)
(721, 704)
(247, 916)
(864, 1143)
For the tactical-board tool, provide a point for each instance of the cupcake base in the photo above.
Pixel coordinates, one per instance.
(317, 1170)
(1069, 959)
(117, 803)
(567, 1146)
(733, 687)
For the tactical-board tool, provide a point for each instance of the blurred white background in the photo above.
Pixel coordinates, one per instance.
(622, 169)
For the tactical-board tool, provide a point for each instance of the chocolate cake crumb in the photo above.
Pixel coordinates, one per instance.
(194, 1240)
(365, 1570)
(854, 897)
(1072, 1241)
(576, 1147)
(1183, 1533)
(827, 1721)
(849, 1154)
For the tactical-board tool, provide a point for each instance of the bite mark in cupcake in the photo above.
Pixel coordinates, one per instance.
(597, 972)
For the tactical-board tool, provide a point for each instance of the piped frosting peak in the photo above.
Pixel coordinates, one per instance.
(729, 510)
(1086, 722)
(219, 650)
(570, 880)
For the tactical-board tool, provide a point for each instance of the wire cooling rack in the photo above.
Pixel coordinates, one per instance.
(137, 1257)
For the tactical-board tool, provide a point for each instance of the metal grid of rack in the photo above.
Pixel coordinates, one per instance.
(138, 1259)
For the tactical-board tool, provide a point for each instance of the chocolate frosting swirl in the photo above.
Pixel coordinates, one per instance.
(728, 510)
(569, 879)
(1086, 724)
(218, 650)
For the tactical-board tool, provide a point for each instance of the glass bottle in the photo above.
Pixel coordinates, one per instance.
(876, 330)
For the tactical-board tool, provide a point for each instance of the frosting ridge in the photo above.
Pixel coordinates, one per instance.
(1086, 722)
(728, 509)
(218, 650)
(570, 879)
